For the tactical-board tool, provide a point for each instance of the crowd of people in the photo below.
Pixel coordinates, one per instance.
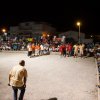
(46, 45)
(77, 50)
(66, 49)
(12, 42)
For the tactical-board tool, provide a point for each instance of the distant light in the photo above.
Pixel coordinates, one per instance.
(91, 36)
(48, 35)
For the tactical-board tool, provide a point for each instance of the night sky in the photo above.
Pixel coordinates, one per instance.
(61, 15)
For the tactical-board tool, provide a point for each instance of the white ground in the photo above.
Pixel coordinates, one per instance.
(51, 76)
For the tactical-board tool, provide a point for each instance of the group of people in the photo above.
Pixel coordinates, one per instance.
(72, 50)
(37, 49)
(65, 49)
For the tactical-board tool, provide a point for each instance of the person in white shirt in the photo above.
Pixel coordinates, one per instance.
(17, 79)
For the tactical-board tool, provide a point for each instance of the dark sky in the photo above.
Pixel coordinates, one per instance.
(62, 15)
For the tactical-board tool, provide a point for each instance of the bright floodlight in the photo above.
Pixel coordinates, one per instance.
(78, 23)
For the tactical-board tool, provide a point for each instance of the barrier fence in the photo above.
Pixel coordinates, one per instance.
(97, 60)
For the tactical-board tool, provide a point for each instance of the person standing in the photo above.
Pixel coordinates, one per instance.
(76, 48)
(81, 49)
(17, 79)
(29, 48)
(33, 49)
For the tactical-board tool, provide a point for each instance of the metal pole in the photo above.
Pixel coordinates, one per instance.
(79, 34)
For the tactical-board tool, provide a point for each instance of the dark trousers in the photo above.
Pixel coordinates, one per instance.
(29, 53)
(15, 92)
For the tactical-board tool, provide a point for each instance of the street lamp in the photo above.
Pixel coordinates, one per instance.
(3, 30)
(78, 24)
(4, 33)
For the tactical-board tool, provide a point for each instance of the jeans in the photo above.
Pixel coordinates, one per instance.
(15, 92)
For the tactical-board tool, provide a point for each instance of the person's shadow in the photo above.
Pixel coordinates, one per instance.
(53, 98)
(50, 99)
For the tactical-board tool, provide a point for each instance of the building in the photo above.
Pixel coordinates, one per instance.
(75, 36)
(32, 29)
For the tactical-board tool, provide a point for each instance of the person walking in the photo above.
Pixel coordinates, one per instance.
(17, 79)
